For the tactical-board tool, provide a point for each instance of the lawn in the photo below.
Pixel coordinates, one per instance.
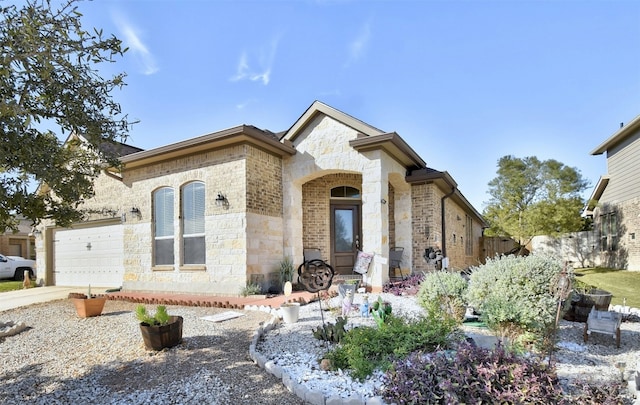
(10, 285)
(621, 283)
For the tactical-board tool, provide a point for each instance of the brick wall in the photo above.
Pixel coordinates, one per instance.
(627, 255)
(427, 228)
(264, 183)
(316, 219)
(425, 208)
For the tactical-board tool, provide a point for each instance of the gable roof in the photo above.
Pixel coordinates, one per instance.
(265, 140)
(119, 149)
(624, 132)
(369, 137)
(595, 196)
(445, 182)
(317, 108)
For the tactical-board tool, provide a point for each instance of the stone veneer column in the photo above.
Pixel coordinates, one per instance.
(292, 214)
(375, 218)
(403, 227)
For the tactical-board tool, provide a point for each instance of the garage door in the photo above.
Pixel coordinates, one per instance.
(88, 256)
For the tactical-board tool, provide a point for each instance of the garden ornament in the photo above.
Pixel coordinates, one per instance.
(346, 303)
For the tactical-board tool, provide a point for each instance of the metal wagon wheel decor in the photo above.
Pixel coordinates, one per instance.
(315, 276)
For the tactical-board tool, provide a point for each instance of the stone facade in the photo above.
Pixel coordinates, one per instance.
(277, 201)
(626, 255)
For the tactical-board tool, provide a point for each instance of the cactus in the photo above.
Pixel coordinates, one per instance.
(161, 316)
(331, 332)
(381, 311)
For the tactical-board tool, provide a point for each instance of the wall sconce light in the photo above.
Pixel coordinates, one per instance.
(458, 217)
(35, 232)
(383, 201)
(136, 211)
(221, 200)
(89, 246)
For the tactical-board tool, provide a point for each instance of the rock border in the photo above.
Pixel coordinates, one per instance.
(318, 398)
(302, 392)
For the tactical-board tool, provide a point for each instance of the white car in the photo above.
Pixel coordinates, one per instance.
(15, 266)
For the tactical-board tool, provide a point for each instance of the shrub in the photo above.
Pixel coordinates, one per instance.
(286, 270)
(408, 286)
(443, 293)
(251, 289)
(366, 349)
(471, 375)
(513, 294)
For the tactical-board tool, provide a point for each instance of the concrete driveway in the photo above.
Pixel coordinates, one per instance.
(21, 298)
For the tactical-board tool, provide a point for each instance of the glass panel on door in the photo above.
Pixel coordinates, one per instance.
(343, 226)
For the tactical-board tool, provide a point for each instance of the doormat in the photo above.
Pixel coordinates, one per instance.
(225, 316)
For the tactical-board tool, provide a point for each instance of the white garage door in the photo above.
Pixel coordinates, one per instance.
(88, 256)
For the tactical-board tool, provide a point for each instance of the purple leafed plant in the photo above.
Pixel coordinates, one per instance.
(471, 375)
(408, 286)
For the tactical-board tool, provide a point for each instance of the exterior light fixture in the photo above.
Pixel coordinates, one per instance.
(221, 200)
(136, 211)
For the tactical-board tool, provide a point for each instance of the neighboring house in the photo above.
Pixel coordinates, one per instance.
(20, 243)
(615, 202)
(213, 213)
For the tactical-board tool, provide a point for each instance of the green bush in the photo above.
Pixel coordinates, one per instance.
(514, 294)
(442, 294)
(366, 349)
(286, 270)
(251, 289)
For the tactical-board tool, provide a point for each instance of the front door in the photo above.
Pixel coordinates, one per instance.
(345, 237)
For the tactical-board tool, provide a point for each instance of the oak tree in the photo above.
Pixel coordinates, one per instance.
(531, 197)
(51, 86)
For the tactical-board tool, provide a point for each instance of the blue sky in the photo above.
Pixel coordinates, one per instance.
(463, 82)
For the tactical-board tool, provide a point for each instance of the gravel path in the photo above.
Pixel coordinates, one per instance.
(63, 359)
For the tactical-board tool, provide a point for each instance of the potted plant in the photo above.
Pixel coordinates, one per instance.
(160, 330)
(290, 310)
(88, 305)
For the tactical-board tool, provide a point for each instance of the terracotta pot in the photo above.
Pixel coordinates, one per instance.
(159, 337)
(87, 307)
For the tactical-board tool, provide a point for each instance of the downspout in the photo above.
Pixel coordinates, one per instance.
(443, 226)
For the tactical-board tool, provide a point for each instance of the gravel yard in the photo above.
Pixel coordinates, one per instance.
(62, 359)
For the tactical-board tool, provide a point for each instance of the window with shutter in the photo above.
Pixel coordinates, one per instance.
(193, 243)
(163, 226)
